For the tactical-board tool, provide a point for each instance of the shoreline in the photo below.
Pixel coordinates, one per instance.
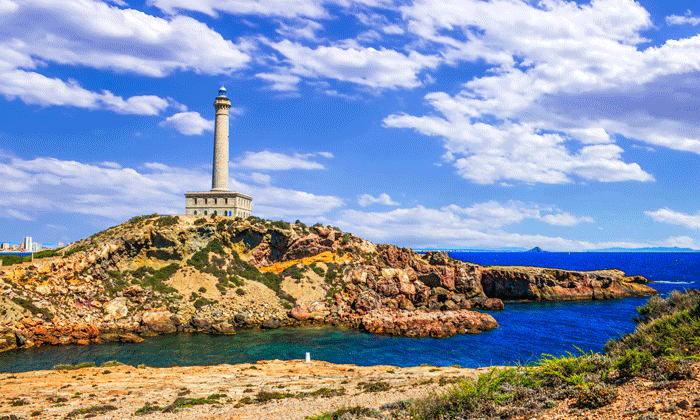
(288, 390)
(57, 393)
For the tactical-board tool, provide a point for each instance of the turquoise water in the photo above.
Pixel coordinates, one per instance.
(526, 329)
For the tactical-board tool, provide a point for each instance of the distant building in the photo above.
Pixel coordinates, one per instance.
(36, 247)
(27, 244)
(220, 200)
(15, 247)
(5, 245)
(60, 244)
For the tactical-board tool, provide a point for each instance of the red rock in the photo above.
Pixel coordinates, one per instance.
(299, 313)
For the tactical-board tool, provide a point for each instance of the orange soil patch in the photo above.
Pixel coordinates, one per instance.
(324, 257)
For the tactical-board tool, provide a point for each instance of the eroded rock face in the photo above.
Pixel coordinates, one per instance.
(426, 324)
(103, 292)
(534, 283)
(116, 308)
(158, 321)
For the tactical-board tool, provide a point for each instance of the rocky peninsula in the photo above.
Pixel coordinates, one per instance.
(164, 274)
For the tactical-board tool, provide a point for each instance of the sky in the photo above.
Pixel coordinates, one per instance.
(566, 125)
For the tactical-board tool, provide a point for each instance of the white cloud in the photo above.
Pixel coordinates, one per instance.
(687, 19)
(681, 242)
(299, 29)
(15, 214)
(281, 82)
(375, 68)
(565, 219)
(8, 6)
(366, 199)
(188, 123)
(48, 185)
(393, 30)
(272, 161)
(286, 8)
(98, 35)
(263, 179)
(449, 226)
(533, 116)
(37, 89)
(666, 215)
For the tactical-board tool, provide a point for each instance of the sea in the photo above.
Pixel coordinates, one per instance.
(527, 331)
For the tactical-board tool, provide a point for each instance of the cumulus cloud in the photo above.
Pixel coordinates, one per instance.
(681, 242)
(273, 161)
(366, 66)
(36, 89)
(280, 82)
(287, 8)
(367, 199)
(476, 226)
(97, 35)
(687, 19)
(188, 123)
(666, 215)
(550, 62)
(49, 185)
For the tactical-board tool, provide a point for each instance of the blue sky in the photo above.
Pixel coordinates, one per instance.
(428, 123)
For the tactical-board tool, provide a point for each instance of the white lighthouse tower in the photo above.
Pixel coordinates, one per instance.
(220, 200)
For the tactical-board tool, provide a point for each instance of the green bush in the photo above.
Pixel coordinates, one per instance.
(13, 259)
(347, 412)
(281, 224)
(632, 362)
(164, 221)
(29, 305)
(596, 395)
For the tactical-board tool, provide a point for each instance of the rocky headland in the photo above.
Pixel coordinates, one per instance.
(164, 274)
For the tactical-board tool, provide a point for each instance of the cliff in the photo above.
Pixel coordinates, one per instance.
(155, 275)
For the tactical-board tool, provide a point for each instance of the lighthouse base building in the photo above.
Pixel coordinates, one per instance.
(220, 201)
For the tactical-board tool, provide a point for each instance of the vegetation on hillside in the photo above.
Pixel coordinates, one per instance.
(661, 349)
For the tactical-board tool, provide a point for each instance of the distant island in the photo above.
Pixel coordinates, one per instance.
(536, 249)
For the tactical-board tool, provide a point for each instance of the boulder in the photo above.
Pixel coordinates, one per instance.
(271, 324)
(158, 321)
(367, 301)
(116, 308)
(224, 328)
(200, 323)
(299, 313)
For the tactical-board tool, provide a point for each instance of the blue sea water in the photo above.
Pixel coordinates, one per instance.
(526, 331)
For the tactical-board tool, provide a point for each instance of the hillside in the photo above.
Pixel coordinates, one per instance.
(161, 274)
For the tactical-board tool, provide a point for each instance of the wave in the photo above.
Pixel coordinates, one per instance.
(674, 282)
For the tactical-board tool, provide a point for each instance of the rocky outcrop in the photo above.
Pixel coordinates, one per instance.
(426, 324)
(157, 275)
(547, 284)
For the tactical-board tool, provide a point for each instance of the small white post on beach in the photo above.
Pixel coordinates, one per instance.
(308, 357)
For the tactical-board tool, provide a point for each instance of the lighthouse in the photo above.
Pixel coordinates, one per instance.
(220, 201)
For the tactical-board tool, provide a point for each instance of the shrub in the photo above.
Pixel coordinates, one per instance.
(632, 362)
(147, 409)
(164, 221)
(202, 301)
(240, 292)
(29, 305)
(281, 224)
(200, 221)
(92, 411)
(596, 395)
(346, 413)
